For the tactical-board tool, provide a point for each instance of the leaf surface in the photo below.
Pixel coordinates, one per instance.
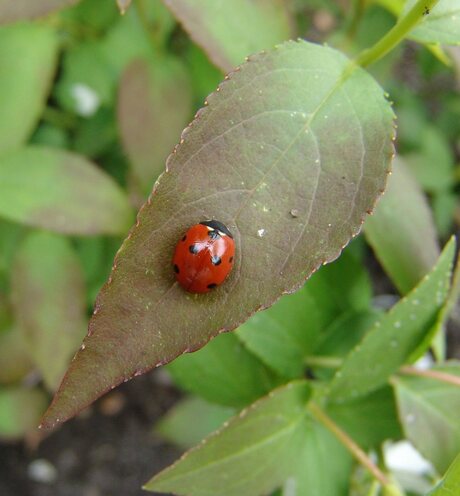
(24, 87)
(16, 10)
(251, 455)
(290, 156)
(61, 191)
(49, 302)
(395, 335)
(450, 484)
(229, 31)
(401, 220)
(429, 412)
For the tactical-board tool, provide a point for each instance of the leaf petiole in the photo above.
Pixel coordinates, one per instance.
(396, 34)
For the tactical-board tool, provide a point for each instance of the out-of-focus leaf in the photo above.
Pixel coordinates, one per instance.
(223, 372)
(91, 17)
(251, 455)
(399, 331)
(369, 420)
(10, 236)
(154, 105)
(50, 135)
(290, 156)
(444, 205)
(190, 420)
(323, 465)
(428, 410)
(450, 484)
(433, 164)
(229, 31)
(16, 10)
(49, 302)
(402, 231)
(24, 86)
(15, 361)
(61, 191)
(20, 411)
(440, 25)
(286, 333)
(96, 135)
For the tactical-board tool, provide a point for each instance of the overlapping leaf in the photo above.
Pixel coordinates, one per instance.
(60, 191)
(290, 153)
(450, 484)
(229, 31)
(400, 221)
(16, 10)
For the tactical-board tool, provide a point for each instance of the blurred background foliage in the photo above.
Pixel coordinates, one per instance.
(91, 104)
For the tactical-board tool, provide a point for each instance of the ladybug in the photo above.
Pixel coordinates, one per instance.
(204, 256)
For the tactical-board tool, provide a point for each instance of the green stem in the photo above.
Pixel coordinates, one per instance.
(396, 34)
(328, 362)
(358, 7)
(349, 444)
(432, 374)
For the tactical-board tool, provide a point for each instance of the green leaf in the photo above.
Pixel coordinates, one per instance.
(290, 156)
(223, 372)
(228, 32)
(15, 361)
(24, 87)
(16, 10)
(399, 332)
(251, 455)
(323, 465)
(154, 105)
(49, 302)
(450, 484)
(401, 220)
(429, 412)
(369, 420)
(60, 191)
(441, 25)
(190, 420)
(286, 333)
(20, 411)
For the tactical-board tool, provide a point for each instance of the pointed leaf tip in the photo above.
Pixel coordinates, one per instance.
(289, 130)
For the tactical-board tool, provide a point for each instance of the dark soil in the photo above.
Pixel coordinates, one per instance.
(108, 451)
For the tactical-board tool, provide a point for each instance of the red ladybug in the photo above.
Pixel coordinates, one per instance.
(204, 256)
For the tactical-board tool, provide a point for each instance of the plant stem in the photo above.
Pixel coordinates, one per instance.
(396, 34)
(351, 446)
(431, 374)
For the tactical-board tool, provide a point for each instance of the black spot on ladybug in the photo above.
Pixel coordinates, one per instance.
(216, 260)
(230, 259)
(212, 285)
(176, 269)
(194, 249)
(213, 234)
(184, 238)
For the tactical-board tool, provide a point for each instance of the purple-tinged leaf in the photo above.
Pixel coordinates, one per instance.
(154, 105)
(16, 10)
(229, 31)
(290, 153)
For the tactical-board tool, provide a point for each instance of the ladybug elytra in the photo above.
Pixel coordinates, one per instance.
(204, 256)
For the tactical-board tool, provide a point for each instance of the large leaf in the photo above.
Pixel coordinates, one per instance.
(400, 221)
(49, 302)
(60, 191)
(290, 156)
(251, 455)
(396, 335)
(441, 25)
(450, 484)
(154, 104)
(223, 372)
(15, 361)
(24, 86)
(20, 411)
(229, 31)
(15, 10)
(429, 411)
